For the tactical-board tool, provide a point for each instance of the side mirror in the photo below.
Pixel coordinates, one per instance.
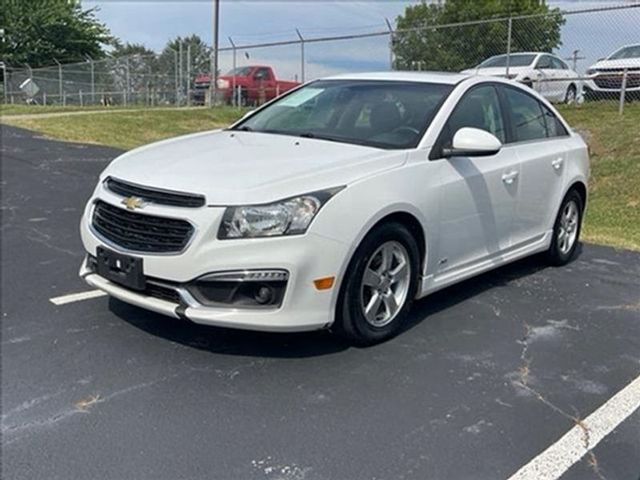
(473, 142)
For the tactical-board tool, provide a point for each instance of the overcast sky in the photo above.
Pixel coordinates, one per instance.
(152, 23)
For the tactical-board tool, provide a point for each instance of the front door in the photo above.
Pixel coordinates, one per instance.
(478, 194)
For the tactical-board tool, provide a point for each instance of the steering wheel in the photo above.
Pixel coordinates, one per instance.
(405, 128)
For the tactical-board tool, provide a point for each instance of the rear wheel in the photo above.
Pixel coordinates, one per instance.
(379, 286)
(570, 96)
(566, 230)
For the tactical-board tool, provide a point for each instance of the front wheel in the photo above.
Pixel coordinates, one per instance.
(566, 230)
(379, 286)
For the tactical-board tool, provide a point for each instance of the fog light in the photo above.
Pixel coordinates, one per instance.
(264, 295)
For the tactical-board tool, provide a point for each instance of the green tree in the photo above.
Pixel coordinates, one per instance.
(427, 38)
(133, 63)
(194, 49)
(37, 31)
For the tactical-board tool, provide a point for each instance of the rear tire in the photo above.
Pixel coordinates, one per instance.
(571, 96)
(379, 286)
(566, 230)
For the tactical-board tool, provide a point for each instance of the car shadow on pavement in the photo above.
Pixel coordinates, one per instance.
(311, 344)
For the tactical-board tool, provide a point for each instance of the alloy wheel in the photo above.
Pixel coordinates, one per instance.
(568, 228)
(385, 283)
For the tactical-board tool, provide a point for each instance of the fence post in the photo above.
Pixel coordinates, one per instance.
(5, 81)
(64, 99)
(59, 78)
(124, 98)
(302, 76)
(44, 98)
(93, 80)
(391, 42)
(509, 30)
(234, 98)
(175, 74)
(80, 98)
(180, 71)
(127, 80)
(623, 91)
(189, 75)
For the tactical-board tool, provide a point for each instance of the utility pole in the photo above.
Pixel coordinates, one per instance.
(391, 44)
(302, 74)
(213, 78)
(574, 59)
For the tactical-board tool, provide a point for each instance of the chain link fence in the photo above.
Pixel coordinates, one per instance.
(594, 55)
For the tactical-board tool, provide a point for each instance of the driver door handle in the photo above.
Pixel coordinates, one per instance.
(509, 177)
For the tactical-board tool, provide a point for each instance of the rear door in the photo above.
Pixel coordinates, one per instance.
(478, 195)
(563, 76)
(539, 140)
(545, 75)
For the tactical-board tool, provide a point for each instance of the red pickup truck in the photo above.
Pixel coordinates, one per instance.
(253, 85)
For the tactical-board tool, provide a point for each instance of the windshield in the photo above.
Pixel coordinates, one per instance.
(627, 52)
(239, 72)
(518, 60)
(382, 114)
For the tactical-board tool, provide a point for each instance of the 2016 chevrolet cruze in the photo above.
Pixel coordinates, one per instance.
(338, 204)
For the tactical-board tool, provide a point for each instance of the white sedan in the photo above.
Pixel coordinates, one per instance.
(548, 74)
(338, 204)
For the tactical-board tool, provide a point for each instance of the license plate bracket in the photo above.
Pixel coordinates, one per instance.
(122, 269)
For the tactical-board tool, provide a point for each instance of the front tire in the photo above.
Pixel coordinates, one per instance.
(566, 230)
(379, 286)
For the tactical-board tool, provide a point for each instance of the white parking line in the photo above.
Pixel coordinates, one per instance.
(576, 443)
(76, 297)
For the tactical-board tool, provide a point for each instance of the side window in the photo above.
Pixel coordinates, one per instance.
(555, 128)
(262, 74)
(558, 64)
(529, 122)
(479, 108)
(544, 62)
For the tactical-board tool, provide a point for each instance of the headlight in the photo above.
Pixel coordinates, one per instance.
(591, 71)
(223, 84)
(291, 216)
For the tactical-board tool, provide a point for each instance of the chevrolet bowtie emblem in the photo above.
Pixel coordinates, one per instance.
(133, 202)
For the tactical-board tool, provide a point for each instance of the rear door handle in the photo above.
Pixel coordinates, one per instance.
(557, 163)
(509, 177)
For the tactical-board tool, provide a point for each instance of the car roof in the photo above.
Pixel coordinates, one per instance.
(399, 76)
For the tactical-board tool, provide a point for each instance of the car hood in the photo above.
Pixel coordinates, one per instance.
(496, 71)
(234, 168)
(621, 63)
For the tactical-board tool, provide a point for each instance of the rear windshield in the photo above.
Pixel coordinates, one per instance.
(383, 114)
(517, 60)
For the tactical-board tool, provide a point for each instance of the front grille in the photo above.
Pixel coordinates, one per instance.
(161, 197)
(614, 80)
(140, 232)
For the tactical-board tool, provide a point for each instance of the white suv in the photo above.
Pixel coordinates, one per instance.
(338, 204)
(607, 75)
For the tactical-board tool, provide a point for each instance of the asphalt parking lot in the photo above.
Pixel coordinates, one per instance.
(490, 373)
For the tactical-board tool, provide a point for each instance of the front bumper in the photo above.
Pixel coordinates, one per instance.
(307, 258)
